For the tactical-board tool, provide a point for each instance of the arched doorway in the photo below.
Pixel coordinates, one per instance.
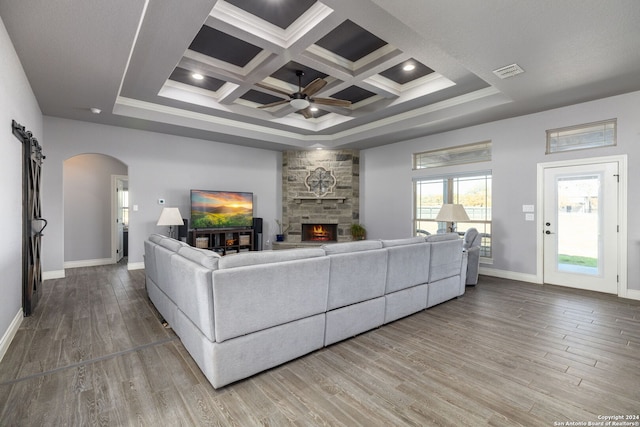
(89, 209)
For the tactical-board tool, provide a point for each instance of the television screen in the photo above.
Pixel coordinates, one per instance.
(221, 209)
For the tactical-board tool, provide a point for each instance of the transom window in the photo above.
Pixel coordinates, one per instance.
(472, 190)
(589, 135)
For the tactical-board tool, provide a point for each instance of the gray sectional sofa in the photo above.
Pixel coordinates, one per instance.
(241, 314)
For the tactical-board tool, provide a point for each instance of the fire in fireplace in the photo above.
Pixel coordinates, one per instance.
(319, 232)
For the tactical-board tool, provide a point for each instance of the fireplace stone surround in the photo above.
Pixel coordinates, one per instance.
(320, 187)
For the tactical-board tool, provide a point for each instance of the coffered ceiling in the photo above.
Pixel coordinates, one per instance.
(135, 60)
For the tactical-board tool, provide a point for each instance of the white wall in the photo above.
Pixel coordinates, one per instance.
(18, 103)
(160, 166)
(518, 146)
(88, 206)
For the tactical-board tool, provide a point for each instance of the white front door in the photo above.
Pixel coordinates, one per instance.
(580, 226)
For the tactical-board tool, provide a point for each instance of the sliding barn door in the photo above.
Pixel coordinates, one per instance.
(32, 222)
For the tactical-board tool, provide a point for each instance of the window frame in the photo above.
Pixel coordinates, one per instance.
(449, 195)
(568, 130)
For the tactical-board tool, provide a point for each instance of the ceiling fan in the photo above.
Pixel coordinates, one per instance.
(301, 99)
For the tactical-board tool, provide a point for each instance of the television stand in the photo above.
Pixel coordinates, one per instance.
(222, 240)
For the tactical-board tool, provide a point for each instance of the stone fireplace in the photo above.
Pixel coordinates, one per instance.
(320, 188)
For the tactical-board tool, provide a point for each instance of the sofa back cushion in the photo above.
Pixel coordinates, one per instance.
(172, 244)
(402, 242)
(356, 276)
(150, 268)
(408, 265)
(347, 247)
(166, 275)
(256, 297)
(267, 257)
(191, 288)
(204, 257)
(446, 257)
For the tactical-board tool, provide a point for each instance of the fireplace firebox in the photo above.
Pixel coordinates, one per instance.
(319, 232)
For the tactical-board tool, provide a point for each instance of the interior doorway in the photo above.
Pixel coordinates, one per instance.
(120, 217)
(580, 224)
(89, 213)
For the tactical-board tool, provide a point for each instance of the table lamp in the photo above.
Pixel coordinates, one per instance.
(452, 213)
(170, 217)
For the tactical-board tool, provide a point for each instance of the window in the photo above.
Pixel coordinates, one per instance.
(125, 208)
(472, 190)
(590, 135)
(470, 153)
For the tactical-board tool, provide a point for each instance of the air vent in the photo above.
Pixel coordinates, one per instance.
(508, 71)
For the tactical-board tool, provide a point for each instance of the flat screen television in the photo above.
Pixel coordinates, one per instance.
(221, 209)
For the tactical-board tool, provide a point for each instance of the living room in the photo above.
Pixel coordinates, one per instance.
(163, 163)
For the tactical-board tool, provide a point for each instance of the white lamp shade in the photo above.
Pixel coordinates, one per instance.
(170, 216)
(452, 213)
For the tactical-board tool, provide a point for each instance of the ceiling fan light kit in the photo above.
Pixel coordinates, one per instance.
(299, 103)
(301, 100)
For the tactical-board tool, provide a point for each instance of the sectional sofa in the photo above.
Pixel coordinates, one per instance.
(241, 314)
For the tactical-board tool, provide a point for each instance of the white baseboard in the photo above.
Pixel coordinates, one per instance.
(6, 339)
(135, 266)
(55, 274)
(532, 278)
(88, 263)
(632, 294)
(511, 275)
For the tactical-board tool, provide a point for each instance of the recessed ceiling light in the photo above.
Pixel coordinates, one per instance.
(95, 110)
(197, 76)
(318, 148)
(409, 67)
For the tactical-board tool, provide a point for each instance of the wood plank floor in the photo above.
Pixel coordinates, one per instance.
(506, 353)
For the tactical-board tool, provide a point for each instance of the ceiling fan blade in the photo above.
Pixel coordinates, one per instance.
(314, 86)
(274, 89)
(273, 104)
(307, 113)
(331, 101)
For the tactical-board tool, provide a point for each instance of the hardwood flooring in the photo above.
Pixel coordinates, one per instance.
(506, 354)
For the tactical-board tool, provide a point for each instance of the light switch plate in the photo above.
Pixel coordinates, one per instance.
(528, 208)
(529, 217)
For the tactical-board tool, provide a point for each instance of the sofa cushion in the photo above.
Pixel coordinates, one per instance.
(204, 257)
(402, 242)
(356, 277)
(255, 297)
(446, 259)
(268, 257)
(346, 247)
(408, 266)
(172, 244)
(442, 237)
(155, 238)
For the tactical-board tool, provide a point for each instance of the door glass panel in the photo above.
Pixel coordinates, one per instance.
(578, 228)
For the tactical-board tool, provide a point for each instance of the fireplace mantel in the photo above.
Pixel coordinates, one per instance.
(319, 200)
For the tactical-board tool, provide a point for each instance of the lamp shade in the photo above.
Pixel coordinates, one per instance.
(452, 213)
(170, 216)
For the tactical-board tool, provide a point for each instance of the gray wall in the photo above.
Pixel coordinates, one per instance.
(518, 146)
(18, 103)
(88, 206)
(159, 166)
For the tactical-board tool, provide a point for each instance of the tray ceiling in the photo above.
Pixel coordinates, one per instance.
(141, 57)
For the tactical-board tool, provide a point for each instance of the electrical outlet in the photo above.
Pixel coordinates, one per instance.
(161, 201)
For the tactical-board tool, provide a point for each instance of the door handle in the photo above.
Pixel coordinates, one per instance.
(548, 232)
(39, 233)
